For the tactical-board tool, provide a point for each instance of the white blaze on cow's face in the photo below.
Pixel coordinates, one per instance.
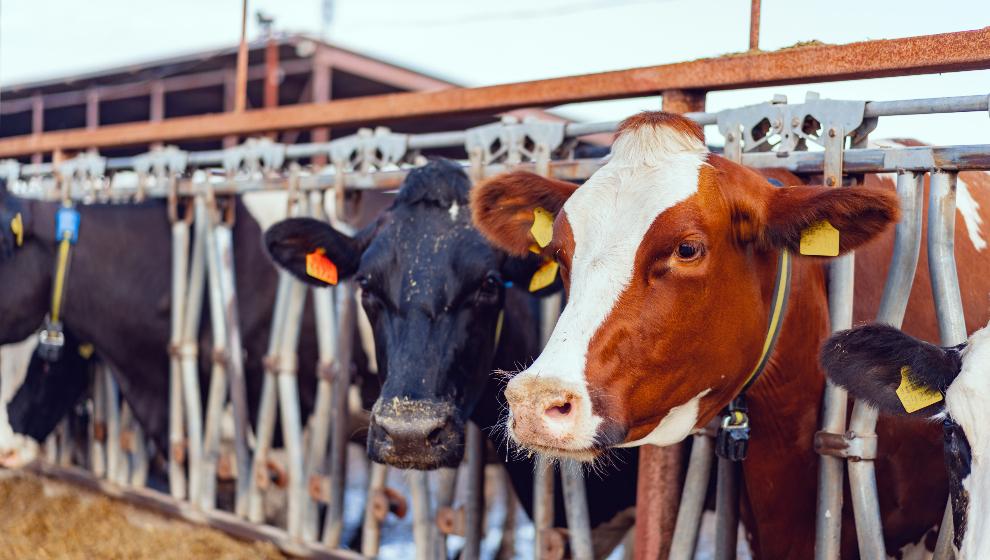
(654, 166)
(966, 401)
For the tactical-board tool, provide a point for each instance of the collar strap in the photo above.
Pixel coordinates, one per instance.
(498, 327)
(781, 293)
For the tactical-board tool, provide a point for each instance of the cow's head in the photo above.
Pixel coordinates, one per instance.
(669, 254)
(902, 375)
(47, 394)
(27, 240)
(433, 290)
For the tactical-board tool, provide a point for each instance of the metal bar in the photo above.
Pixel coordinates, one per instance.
(341, 385)
(267, 403)
(371, 528)
(726, 509)
(576, 509)
(543, 514)
(176, 437)
(945, 291)
(474, 506)
(224, 243)
(754, 25)
(841, 271)
(423, 526)
(692, 504)
(240, 99)
(139, 456)
(446, 487)
(177, 509)
(947, 52)
(188, 350)
(319, 424)
(98, 430)
(288, 399)
(114, 455)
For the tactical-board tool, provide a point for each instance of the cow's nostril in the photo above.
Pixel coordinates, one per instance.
(558, 410)
(435, 435)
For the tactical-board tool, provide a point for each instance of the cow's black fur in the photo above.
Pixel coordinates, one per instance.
(867, 361)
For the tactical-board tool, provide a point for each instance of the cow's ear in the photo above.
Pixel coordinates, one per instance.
(893, 371)
(313, 251)
(505, 207)
(829, 220)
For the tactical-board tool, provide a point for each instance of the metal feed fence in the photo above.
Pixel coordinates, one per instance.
(377, 160)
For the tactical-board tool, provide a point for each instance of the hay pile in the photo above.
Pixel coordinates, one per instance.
(44, 519)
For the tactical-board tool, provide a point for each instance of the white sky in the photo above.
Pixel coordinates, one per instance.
(479, 43)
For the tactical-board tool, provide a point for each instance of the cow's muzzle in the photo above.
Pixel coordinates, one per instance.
(415, 434)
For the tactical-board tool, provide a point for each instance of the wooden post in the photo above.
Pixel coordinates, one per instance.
(271, 73)
(229, 94)
(659, 484)
(754, 25)
(37, 121)
(321, 86)
(240, 99)
(156, 108)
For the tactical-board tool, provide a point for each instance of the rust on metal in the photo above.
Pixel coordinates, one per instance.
(946, 52)
(754, 25)
(451, 521)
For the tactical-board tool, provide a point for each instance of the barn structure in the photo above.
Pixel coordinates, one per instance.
(283, 69)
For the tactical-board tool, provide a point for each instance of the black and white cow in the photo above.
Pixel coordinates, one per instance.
(434, 291)
(902, 375)
(117, 294)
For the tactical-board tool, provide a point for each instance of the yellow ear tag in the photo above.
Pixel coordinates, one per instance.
(542, 229)
(544, 276)
(86, 351)
(534, 248)
(914, 397)
(320, 267)
(17, 228)
(820, 239)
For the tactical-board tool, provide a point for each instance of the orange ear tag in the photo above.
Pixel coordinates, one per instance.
(320, 267)
(820, 239)
(542, 228)
(544, 276)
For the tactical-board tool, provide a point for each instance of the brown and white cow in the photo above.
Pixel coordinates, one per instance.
(669, 254)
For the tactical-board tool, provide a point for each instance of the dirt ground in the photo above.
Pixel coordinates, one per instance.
(41, 519)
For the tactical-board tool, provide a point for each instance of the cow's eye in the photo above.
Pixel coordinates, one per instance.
(490, 288)
(689, 250)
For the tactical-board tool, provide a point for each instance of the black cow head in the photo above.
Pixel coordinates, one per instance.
(433, 290)
(48, 393)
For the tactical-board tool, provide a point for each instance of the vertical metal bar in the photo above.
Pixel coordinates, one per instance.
(828, 520)
(726, 509)
(240, 101)
(288, 398)
(319, 425)
(341, 385)
(98, 429)
(945, 291)
(189, 349)
(754, 25)
(371, 528)
(543, 479)
(692, 505)
(176, 437)
(139, 457)
(576, 509)
(217, 395)
(235, 364)
(63, 454)
(114, 454)
(423, 525)
(474, 506)
(507, 546)
(267, 403)
(900, 277)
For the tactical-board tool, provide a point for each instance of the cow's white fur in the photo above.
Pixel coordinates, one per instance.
(675, 426)
(651, 170)
(15, 449)
(267, 207)
(966, 402)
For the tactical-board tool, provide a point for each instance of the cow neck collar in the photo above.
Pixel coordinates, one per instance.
(732, 438)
